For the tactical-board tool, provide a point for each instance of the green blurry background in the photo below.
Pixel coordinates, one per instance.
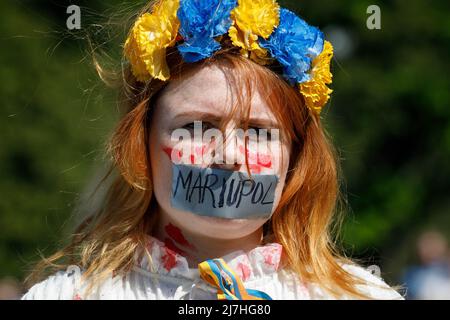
(389, 117)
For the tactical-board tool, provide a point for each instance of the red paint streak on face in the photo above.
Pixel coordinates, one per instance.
(176, 234)
(199, 151)
(177, 156)
(169, 259)
(254, 168)
(258, 161)
(171, 245)
(245, 270)
(263, 160)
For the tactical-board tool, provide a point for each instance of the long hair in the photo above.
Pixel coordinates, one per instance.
(303, 223)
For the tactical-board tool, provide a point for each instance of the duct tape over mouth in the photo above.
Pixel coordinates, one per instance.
(222, 193)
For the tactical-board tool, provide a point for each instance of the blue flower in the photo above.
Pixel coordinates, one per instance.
(294, 44)
(200, 22)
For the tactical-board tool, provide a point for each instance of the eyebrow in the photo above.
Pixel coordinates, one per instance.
(200, 115)
(262, 122)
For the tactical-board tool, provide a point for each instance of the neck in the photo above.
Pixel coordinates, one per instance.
(197, 248)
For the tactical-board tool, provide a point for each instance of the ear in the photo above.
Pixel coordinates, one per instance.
(128, 147)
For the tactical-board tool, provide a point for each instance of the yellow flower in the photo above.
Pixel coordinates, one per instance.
(253, 19)
(146, 45)
(315, 91)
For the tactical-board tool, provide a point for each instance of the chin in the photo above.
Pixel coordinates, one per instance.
(222, 227)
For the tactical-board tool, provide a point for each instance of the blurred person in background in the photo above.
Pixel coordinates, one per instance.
(430, 279)
(10, 289)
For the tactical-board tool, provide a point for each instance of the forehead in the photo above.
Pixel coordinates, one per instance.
(207, 90)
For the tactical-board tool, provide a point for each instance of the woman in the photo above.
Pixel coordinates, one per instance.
(197, 209)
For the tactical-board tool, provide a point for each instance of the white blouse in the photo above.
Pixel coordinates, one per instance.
(169, 277)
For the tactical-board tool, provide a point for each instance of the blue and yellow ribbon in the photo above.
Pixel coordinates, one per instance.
(230, 287)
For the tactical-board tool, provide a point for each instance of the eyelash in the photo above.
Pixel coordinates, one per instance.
(208, 125)
(205, 126)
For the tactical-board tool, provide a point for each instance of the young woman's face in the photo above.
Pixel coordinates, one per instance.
(205, 96)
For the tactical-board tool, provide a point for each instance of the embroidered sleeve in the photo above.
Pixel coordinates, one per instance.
(60, 286)
(375, 287)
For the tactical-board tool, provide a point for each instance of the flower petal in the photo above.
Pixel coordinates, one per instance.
(253, 19)
(201, 22)
(315, 91)
(294, 44)
(151, 34)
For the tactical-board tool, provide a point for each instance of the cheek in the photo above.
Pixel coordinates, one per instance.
(161, 169)
(268, 160)
(187, 152)
(259, 162)
(282, 169)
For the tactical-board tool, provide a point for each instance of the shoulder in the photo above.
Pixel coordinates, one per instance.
(372, 284)
(59, 286)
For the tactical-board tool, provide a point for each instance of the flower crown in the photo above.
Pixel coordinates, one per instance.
(260, 28)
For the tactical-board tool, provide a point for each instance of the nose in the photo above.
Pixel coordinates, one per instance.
(230, 158)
